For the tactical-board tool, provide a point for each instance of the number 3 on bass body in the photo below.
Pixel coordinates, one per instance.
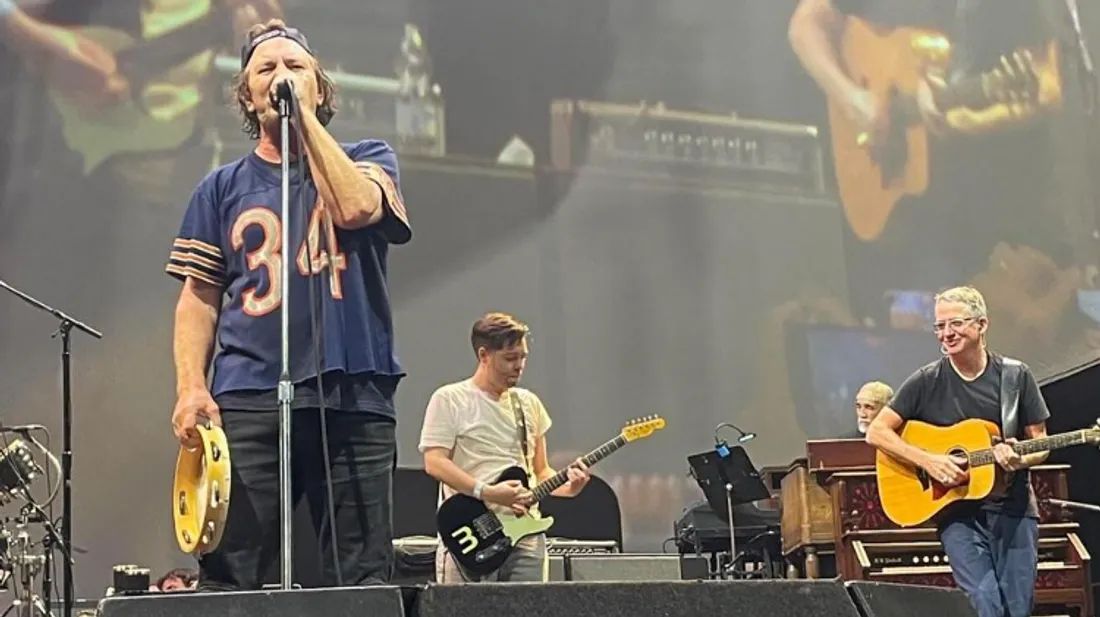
(466, 538)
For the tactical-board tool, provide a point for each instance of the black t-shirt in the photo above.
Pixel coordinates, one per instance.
(937, 395)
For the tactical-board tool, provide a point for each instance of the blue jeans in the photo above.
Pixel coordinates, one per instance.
(994, 558)
(361, 450)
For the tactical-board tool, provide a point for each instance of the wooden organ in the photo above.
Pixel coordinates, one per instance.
(833, 525)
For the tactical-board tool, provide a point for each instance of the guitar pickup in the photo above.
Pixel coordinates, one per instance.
(493, 550)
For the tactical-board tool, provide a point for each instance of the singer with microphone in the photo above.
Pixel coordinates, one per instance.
(345, 210)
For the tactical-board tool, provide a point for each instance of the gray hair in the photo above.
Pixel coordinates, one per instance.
(972, 298)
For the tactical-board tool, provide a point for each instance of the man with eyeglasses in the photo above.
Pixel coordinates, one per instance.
(991, 545)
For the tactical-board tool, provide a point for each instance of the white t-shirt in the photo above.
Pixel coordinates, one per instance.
(481, 433)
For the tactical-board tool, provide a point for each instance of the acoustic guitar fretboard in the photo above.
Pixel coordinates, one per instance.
(1042, 444)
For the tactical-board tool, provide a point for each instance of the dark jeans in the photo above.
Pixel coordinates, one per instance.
(362, 448)
(994, 558)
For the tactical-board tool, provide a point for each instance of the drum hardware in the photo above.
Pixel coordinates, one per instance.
(18, 470)
(23, 560)
(201, 491)
(65, 325)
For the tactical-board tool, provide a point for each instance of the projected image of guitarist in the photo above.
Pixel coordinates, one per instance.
(948, 121)
(964, 399)
(128, 82)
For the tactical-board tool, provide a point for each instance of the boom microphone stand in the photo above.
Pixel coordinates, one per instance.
(1073, 505)
(64, 328)
(285, 96)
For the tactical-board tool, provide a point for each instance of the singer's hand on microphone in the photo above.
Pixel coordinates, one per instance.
(284, 89)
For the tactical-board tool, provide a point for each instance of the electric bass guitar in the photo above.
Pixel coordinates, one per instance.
(891, 63)
(911, 497)
(481, 540)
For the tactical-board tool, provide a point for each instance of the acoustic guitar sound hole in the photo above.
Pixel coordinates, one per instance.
(961, 454)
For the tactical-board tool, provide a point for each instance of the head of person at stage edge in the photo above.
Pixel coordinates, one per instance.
(180, 579)
(870, 400)
(961, 323)
(274, 52)
(500, 343)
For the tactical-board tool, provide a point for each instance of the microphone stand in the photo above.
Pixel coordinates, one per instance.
(733, 536)
(286, 387)
(64, 329)
(1073, 505)
(1090, 85)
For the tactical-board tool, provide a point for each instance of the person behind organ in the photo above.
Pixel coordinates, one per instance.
(870, 400)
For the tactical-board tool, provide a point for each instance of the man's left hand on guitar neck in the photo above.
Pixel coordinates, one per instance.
(577, 473)
(1007, 458)
(1010, 460)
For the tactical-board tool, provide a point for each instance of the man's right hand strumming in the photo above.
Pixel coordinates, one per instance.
(69, 61)
(193, 407)
(864, 111)
(510, 493)
(945, 469)
(85, 71)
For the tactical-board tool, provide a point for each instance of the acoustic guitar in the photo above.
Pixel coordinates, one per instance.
(165, 71)
(481, 539)
(891, 63)
(910, 497)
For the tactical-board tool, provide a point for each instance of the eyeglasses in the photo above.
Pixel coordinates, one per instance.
(955, 324)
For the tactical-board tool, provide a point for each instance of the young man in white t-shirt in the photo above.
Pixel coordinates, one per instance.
(471, 434)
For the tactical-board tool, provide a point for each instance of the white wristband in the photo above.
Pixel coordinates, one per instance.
(478, 487)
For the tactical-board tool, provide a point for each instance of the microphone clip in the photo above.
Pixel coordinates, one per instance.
(722, 447)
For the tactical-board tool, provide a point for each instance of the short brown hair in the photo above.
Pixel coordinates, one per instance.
(496, 331)
(186, 576)
(250, 122)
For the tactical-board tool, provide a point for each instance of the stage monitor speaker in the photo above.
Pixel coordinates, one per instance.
(898, 600)
(634, 567)
(777, 598)
(557, 568)
(338, 602)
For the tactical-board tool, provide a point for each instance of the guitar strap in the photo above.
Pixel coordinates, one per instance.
(521, 426)
(1010, 397)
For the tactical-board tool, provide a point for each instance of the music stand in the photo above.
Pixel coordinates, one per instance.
(727, 478)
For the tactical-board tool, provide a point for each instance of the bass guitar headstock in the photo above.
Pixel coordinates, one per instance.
(642, 428)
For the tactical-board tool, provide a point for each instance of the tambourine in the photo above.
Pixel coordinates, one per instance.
(201, 492)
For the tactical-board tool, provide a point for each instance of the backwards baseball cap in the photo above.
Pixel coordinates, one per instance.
(287, 33)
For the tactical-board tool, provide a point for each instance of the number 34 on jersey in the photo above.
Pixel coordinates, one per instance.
(311, 259)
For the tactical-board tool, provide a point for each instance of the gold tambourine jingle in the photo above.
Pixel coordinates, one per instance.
(201, 492)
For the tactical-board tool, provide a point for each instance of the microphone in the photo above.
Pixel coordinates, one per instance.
(284, 91)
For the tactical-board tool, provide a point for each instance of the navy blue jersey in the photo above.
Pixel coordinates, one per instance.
(231, 237)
